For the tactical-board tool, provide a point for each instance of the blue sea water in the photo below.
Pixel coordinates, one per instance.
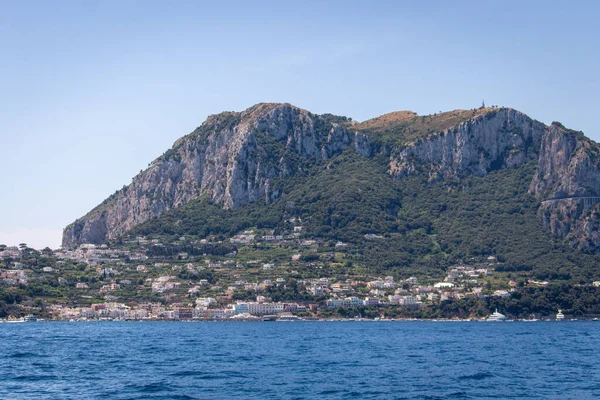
(300, 360)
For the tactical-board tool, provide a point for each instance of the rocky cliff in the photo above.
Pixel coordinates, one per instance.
(230, 159)
(568, 165)
(233, 158)
(500, 138)
(568, 184)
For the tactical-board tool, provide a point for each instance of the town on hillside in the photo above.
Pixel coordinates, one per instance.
(256, 274)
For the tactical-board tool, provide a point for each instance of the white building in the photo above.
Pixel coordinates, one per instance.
(371, 301)
(205, 301)
(405, 301)
(265, 308)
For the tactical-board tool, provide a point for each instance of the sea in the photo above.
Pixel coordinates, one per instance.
(300, 360)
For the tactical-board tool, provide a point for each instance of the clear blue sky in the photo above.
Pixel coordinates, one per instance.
(92, 91)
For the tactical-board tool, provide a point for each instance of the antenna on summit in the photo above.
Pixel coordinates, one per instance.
(482, 104)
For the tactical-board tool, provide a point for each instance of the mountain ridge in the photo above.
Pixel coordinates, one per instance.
(238, 158)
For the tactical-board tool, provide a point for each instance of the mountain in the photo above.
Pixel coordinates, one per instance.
(273, 161)
(231, 159)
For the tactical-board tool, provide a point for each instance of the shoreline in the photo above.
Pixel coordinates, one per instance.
(296, 320)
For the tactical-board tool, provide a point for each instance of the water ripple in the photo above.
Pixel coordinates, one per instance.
(333, 360)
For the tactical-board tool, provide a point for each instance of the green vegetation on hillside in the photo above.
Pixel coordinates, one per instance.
(493, 215)
(420, 228)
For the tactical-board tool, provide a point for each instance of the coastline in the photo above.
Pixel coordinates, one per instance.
(300, 320)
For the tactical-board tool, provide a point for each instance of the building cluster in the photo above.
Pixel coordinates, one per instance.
(14, 276)
(163, 284)
(184, 286)
(92, 254)
(205, 308)
(249, 236)
(10, 252)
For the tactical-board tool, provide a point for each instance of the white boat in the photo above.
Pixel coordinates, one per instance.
(496, 316)
(560, 316)
(287, 317)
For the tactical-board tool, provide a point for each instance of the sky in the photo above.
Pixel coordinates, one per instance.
(92, 91)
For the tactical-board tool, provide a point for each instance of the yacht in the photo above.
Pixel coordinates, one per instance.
(560, 316)
(29, 318)
(496, 316)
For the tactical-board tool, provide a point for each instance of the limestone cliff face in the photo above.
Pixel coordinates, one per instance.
(577, 220)
(499, 139)
(568, 165)
(230, 159)
(568, 184)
